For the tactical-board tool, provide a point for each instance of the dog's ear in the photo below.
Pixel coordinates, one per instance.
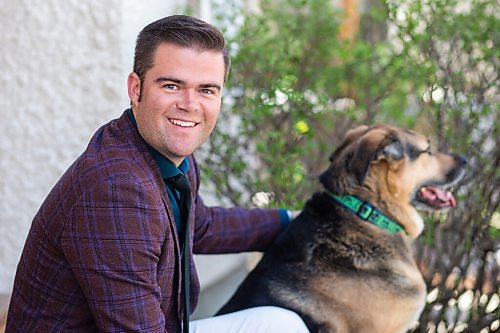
(375, 146)
(393, 150)
(334, 176)
(360, 148)
(366, 150)
(362, 158)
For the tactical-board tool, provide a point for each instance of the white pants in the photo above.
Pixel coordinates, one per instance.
(263, 319)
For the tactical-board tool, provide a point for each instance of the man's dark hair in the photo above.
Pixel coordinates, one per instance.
(180, 30)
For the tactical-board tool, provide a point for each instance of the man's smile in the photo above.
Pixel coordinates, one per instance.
(182, 123)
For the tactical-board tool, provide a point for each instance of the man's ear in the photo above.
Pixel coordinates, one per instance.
(134, 88)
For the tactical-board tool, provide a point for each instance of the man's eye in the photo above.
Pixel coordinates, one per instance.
(171, 86)
(208, 91)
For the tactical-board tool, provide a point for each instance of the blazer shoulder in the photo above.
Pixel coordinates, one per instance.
(115, 150)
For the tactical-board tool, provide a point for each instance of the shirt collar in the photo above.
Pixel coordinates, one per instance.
(167, 167)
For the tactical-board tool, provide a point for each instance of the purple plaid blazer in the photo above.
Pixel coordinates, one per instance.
(102, 254)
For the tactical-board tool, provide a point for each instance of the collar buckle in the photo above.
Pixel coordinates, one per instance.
(365, 210)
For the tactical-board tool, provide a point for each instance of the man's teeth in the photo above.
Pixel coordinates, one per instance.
(182, 123)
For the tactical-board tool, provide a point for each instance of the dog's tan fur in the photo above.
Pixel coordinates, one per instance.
(350, 276)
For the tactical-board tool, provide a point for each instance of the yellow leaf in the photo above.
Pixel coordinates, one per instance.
(302, 127)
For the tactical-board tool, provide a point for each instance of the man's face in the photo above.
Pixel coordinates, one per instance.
(180, 99)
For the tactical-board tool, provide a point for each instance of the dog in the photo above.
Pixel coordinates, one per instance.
(344, 265)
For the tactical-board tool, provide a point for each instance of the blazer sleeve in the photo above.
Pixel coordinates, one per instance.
(230, 230)
(113, 243)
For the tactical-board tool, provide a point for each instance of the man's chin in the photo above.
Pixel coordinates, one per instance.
(178, 155)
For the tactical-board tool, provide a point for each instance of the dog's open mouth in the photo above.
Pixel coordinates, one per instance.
(435, 198)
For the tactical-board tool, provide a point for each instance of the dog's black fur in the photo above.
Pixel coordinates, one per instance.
(319, 233)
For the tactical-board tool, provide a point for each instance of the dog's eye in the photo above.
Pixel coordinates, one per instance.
(415, 152)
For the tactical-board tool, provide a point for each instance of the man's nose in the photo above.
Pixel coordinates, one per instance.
(189, 101)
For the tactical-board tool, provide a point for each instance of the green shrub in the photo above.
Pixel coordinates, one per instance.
(296, 88)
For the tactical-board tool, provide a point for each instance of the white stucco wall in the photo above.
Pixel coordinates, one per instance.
(60, 80)
(64, 69)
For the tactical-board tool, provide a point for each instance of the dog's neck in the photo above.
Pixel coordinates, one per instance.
(367, 212)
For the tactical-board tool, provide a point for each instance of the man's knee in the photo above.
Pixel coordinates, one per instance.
(280, 318)
(263, 319)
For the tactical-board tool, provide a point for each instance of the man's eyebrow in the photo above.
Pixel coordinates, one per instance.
(171, 79)
(163, 79)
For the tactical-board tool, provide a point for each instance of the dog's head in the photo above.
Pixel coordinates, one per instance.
(396, 170)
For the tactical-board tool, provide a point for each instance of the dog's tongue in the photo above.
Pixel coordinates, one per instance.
(436, 197)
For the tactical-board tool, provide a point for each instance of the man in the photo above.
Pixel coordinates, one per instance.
(110, 246)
